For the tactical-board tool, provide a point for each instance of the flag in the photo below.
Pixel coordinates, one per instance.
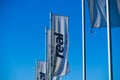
(98, 16)
(40, 70)
(59, 44)
(49, 57)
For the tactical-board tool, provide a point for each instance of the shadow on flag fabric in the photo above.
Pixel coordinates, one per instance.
(59, 35)
(40, 70)
(98, 13)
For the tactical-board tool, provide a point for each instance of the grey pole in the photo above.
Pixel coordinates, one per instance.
(46, 56)
(51, 44)
(83, 43)
(109, 43)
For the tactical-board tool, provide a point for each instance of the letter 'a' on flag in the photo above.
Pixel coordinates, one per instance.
(40, 70)
(59, 35)
(98, 16)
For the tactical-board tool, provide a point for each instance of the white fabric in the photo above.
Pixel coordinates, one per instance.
(56, 78)
(98, 13)
(40, 70)
(59, 24)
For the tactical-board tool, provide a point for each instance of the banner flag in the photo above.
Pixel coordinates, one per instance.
(59, 44)
(98, 16)
(40, 70)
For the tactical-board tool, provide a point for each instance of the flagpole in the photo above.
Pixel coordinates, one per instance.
(46, 59)
(35, 72)
(51, 44)
(83, 43)
(109, 43)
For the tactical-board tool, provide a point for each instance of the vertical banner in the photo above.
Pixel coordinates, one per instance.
(59, 35)
(40, 70)
(98, 15)
(49, 57)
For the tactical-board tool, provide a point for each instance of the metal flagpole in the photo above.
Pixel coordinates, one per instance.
(51, 44)
(35, 72)
(109, 43)
(46, 58)
(83, 42)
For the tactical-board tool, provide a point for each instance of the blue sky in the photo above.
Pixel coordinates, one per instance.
(22, 40)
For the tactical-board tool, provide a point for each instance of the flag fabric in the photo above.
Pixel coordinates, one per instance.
(49, 57)
(59, 44)
(40, 70)
(98, 16)
(56, 78)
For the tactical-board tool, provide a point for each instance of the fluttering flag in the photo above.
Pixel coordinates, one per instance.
(98, 16)
(59, 45)
(49, 57)
(40, 70)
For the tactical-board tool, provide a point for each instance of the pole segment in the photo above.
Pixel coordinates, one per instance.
(83, 42)
(109, 43)
(51, 44)
(46, 53)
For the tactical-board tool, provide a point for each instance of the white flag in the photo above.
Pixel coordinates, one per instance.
(98, 14)
(59, 27)
(49, 57)
(40, 70)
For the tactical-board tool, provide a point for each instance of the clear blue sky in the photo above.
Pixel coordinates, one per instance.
(22, 40)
